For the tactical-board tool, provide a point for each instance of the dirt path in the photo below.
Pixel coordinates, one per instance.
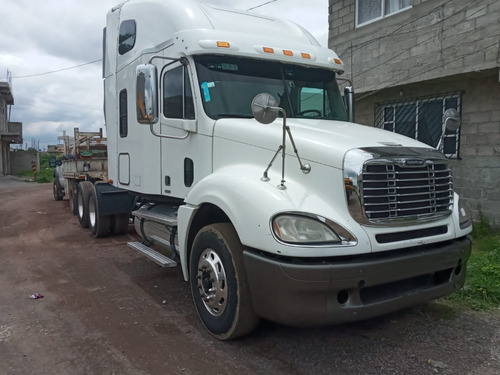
(107, 310)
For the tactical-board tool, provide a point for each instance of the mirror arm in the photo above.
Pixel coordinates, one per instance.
(265, 176)
(305, 168)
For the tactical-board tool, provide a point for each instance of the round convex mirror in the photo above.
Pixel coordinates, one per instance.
(264, 108)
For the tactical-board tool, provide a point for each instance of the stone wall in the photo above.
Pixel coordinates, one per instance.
(20, 161)
(434, 38)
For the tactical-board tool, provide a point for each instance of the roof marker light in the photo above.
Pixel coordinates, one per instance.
(287, 52)
(337, 61)
(268, 50)
(223, 44)
(306, 55)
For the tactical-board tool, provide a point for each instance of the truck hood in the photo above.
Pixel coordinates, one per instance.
(320, 141)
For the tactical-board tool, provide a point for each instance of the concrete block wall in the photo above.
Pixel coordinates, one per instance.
(477, 171)
(434, 38)
(20, 161)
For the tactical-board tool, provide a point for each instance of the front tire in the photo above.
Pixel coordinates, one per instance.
(218, 282)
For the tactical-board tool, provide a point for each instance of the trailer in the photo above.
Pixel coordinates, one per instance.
(233, 149)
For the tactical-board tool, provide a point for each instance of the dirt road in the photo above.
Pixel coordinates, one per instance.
(107, 310)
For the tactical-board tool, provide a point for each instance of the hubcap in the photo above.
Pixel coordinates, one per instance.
(80, 204)
(212, 283)
(92, 212)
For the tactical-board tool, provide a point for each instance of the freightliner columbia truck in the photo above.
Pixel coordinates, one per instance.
(233, 149)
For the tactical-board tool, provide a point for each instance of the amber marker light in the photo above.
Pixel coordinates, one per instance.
(268, 49)
(337, 61)
(306, 55)
(277, 230)
(287, 52)
(223, 44)
(110, 181)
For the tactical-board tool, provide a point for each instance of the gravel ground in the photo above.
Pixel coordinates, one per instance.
(107, 310)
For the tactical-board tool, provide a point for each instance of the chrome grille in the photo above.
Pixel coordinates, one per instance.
(392, 190)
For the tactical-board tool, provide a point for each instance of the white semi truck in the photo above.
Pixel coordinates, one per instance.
(231, 146)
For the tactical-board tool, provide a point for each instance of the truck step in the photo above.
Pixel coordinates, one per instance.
(170, 221)
(157, 257)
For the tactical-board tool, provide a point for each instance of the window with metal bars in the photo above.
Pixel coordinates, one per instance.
(422, 119)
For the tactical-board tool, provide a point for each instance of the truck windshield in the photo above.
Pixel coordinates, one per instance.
(229, 84)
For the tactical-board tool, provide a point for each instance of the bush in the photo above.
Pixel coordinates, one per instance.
(482, 286)
(46, 173)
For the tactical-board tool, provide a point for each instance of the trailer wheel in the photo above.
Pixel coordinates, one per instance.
(58, 194)
(119, 224)
(73, 199)
(99, 224)
(83, 195)
(218, 282)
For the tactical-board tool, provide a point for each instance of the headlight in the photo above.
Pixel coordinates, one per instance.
(462, 216)
(304, 230)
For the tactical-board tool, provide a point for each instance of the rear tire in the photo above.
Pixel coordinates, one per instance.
(83, 195)
(73, 198)
(99, 224)
(218, 282)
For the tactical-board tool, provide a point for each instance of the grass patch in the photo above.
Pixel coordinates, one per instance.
(482, 286)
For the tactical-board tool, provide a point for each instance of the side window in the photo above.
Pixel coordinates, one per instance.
(422, 119)
(126, 40)
(123, 114)
(311, 101)
(177, 94)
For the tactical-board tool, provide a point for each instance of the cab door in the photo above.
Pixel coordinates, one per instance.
(178, 125)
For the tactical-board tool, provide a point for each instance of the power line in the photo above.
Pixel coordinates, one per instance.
(427, 69)
(261, 5)
(422, 42)
(394, 32)
(57, 71)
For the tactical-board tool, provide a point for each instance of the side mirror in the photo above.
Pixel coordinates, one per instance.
(265, 108)
(146, 94)
(451, 119)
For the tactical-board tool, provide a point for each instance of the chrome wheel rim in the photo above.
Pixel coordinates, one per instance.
(212, 283)
(80, 204)
(92, 213)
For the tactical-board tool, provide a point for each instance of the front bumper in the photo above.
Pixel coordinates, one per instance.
(330, 291)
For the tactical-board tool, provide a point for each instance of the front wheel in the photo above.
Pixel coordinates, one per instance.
(218, 282)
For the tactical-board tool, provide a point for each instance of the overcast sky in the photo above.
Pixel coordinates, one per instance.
(40, 37)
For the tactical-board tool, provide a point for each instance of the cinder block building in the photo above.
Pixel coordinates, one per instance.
(10, 132)
(410, 60)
